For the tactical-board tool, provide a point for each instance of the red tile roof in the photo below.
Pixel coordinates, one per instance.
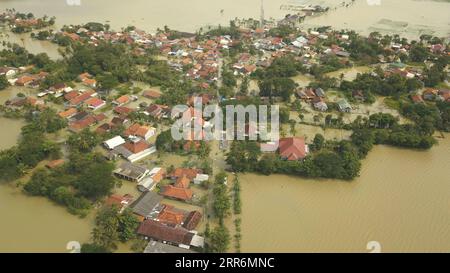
(79, 99)
(94, 102)
(192, 220)
(136, 147)
(137, 130)
(152, 94)
(68, 113)
(182, 182)
(169, 216)
(293, 148)
(122, 99)
(177, 193)
(123, 110)
(81, 124)
(189, 173)
(71, 95)
(162, 232)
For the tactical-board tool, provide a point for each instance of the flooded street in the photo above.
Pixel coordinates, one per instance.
(401, 200)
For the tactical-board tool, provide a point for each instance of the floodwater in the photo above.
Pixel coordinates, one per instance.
(349, 74)
(34, 224)
(408, 17)
(33, 46)
(10, 132)
(401, 200)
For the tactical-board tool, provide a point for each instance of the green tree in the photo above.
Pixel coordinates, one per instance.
(128, 224)
(318, 142)
(3, 82)
(93, 248)
(84, 141)
(106, 231)
(96, 180)
(219, 240)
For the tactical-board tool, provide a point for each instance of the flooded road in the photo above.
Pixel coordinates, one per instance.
(401, 200)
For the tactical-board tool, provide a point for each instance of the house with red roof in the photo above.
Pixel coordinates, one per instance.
(141, 131)
(180, 172)
(68, 113)
(151, 94)
(95, 103)
(171, 216)
(293, 148)
(78, 100)
(89, 82)
(135, 149)
(121, 100)
(122, 110)
(79, 125)
(120, 201)
(182, 182)
(176, 193)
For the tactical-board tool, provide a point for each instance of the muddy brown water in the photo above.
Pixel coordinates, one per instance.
(401, 200)
(364, 16)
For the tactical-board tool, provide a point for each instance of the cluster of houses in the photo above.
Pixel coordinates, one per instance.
(168, 228)
(431, 94)
(316, 96)
(21, 20)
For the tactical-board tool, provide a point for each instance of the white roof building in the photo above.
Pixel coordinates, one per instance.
(114, 142)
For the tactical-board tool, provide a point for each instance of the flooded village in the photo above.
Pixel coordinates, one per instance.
(103, 100)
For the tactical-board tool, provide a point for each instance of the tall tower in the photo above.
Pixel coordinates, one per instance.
(262, 14)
